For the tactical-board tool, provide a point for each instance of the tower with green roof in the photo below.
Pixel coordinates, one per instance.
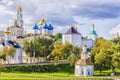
(93, 35)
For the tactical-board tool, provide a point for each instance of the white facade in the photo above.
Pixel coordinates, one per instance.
(84, 70)
(89, 43)
(50, 32)
(44, 31)
(18, 56)
(75, 39)
(93, 37)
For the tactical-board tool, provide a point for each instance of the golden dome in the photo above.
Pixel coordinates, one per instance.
(7, 31)
(19, 8)
(42, 22)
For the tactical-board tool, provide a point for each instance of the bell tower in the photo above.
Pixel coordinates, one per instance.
(20, 17)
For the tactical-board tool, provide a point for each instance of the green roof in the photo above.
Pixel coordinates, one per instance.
(93, 32)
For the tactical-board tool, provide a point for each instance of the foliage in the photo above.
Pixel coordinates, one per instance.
(116, 60)
(65, 51)
(39, 68)
(103, 59)
(101, 54)
(58, 36)
(7, 51)
(41, 46)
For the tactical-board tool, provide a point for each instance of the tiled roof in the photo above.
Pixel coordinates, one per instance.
(84, 62)
(71, 30)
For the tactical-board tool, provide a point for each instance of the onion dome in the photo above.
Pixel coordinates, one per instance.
(45, 26)
(7, 31)
(19, 8)
(35, 27)
(92, 32)
(42, 22)
(50, 27)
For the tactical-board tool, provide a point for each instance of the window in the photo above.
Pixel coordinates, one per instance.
(88, 72)
(82, 72)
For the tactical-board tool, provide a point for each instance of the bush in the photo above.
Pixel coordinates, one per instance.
(40, 68)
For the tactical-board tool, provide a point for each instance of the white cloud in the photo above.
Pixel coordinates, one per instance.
(61, 13)
(115, 30)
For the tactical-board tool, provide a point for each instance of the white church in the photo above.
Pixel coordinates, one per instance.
(74, 37)
(83, 66)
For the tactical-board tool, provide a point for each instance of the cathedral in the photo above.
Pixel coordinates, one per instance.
(43, 28)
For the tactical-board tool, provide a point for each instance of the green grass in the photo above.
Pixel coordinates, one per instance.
(50, 72)
(49, 76)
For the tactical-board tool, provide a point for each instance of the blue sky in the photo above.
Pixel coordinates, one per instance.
(105, 14)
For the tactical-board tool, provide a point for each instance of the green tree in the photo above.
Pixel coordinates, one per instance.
(100, 44)
(115, 56)
(66, 51)
(41, 46)
(116, 60)
(57, 51)
(58, 36)
(7, 51)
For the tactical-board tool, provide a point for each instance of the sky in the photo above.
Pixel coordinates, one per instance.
(104, 14)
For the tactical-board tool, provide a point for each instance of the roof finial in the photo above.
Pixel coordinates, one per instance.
(19, 8)
(92, 27)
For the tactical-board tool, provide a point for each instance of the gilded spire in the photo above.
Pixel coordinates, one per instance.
(92, 26)
(19, 8)
(42, 22)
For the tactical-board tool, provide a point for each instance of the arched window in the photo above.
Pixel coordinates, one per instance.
(88, 72)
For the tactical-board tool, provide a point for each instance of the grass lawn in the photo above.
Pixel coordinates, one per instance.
(50, 72)
(50, 76)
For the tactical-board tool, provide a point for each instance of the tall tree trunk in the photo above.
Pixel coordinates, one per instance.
(100, 69)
